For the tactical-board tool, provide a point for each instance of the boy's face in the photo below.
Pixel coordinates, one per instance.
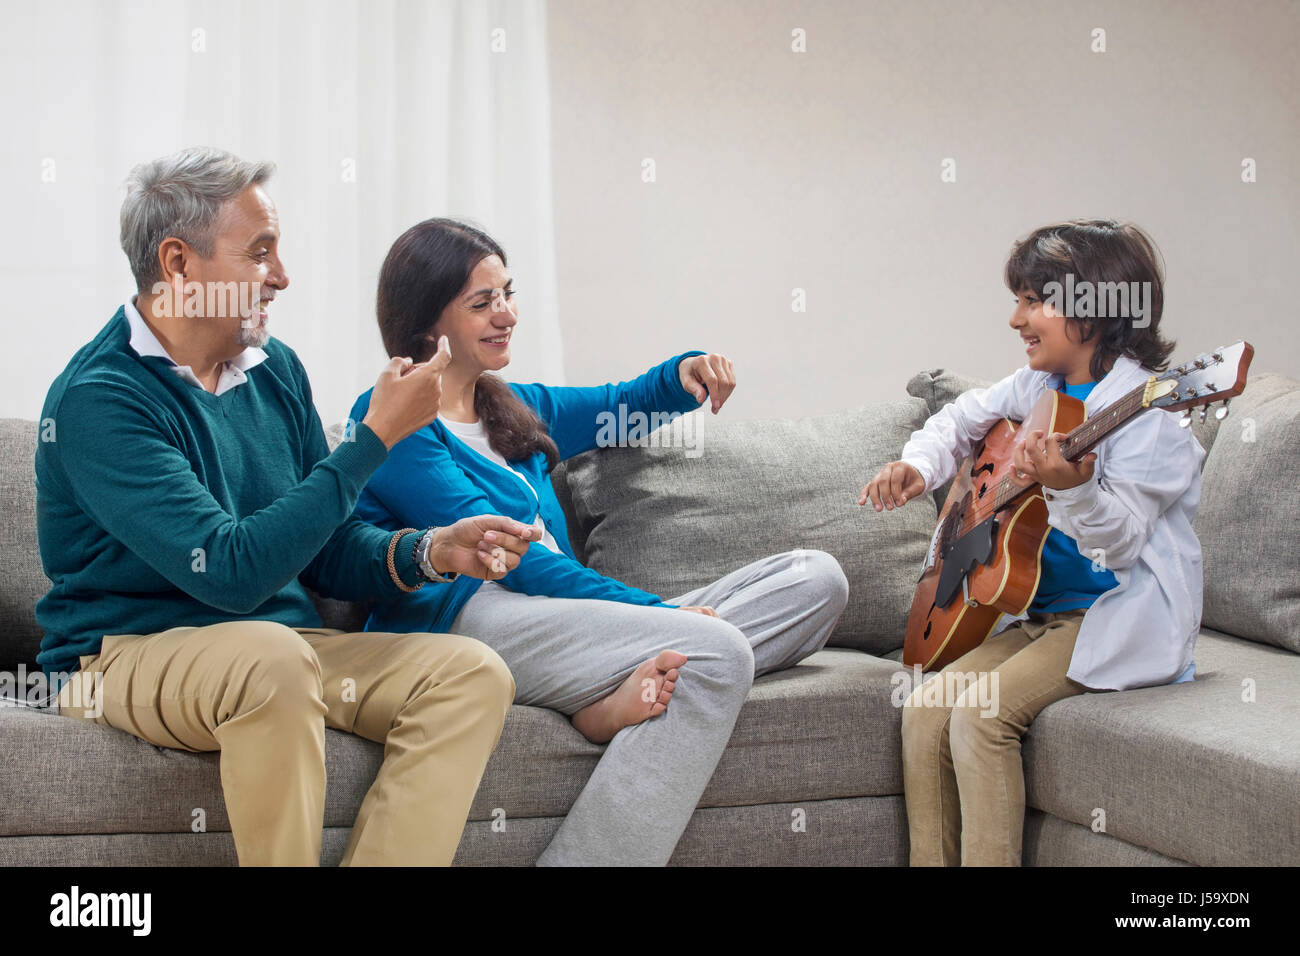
(1048, 340)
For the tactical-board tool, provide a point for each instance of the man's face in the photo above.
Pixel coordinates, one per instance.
(244, 272)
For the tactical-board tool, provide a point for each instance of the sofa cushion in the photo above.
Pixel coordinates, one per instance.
(560, 482)
(938, 387)
(1204, 771)
(1249, 516)
(667, 522)
(20, 559)
(822, 730)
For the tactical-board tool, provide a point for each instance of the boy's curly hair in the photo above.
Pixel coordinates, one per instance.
(1097, 251)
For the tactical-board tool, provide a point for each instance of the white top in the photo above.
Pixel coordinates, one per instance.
(476, 437)
(146, 343)
(1137, 508)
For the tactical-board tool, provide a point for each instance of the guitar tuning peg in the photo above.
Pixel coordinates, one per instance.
(1186, 419)
(1205, 409)
(1222, 411)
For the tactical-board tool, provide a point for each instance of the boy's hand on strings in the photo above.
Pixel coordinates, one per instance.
(1040, 459)
(894, 486)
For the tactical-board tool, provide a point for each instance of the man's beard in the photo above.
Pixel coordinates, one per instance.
(254, 335)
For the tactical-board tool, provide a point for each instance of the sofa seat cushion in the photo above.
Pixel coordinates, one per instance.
(81, 777)
(822, 730)
(1207, 772)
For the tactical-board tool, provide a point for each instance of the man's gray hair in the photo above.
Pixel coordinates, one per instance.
(180, 195)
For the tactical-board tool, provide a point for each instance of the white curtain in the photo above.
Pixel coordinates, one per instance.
(378, 114)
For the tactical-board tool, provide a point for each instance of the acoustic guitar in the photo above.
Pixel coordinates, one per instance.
(984, 557)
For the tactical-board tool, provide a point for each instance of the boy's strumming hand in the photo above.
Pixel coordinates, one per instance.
(894, 486)
(1040, 459)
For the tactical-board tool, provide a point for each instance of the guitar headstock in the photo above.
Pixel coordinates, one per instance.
(1212, 377)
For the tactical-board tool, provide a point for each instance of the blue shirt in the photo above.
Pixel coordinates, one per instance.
(1067, 580)
(432, 478)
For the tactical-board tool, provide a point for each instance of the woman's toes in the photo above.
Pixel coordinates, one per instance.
(668, 660)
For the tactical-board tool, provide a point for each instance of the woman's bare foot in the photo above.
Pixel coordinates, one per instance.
(643, 695)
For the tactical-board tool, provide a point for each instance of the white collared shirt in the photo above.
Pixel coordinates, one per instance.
(1136, 511)
(475, 436)
(146, 343)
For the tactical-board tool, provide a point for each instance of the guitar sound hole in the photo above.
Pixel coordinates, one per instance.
(983, 488)
(928, 625)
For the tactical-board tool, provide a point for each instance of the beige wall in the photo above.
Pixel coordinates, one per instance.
(821, 170)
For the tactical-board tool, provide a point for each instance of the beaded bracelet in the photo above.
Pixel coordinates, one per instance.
(392, 568)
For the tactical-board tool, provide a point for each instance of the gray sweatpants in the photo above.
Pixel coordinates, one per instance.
(567, 653)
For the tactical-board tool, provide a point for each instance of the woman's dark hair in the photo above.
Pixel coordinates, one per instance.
(1101, 252)
(427, 267)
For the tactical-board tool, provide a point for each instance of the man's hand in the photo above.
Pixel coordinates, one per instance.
(695, 609)
(407, 395)
(485, 546)
(894, 486)
(1039, 459)
(710, 376)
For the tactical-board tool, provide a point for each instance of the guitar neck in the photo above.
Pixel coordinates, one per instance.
(1216, 376)
(1083, 439)
(1088, 435)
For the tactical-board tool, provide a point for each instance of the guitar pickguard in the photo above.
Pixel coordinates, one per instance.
(962, 557)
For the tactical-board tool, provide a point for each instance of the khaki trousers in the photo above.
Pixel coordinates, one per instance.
(262, 694)
(962, 775)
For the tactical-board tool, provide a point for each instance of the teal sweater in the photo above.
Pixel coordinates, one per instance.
(159, 504)
(433, 478)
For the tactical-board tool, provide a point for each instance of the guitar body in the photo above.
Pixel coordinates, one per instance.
(998, 556)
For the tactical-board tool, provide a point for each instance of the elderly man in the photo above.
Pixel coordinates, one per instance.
(187, 502)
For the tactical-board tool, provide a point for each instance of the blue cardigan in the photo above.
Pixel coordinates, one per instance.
(432, 478)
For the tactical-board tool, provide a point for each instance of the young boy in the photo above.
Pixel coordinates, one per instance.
(1119, 598)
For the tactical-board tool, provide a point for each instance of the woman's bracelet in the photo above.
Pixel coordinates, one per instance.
(392, 568)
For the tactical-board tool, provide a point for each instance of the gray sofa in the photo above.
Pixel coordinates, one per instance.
(1201, 773)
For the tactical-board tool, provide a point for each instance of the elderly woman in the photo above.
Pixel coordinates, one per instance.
(661, 680)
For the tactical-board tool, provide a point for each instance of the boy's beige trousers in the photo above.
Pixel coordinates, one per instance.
(963, 781)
